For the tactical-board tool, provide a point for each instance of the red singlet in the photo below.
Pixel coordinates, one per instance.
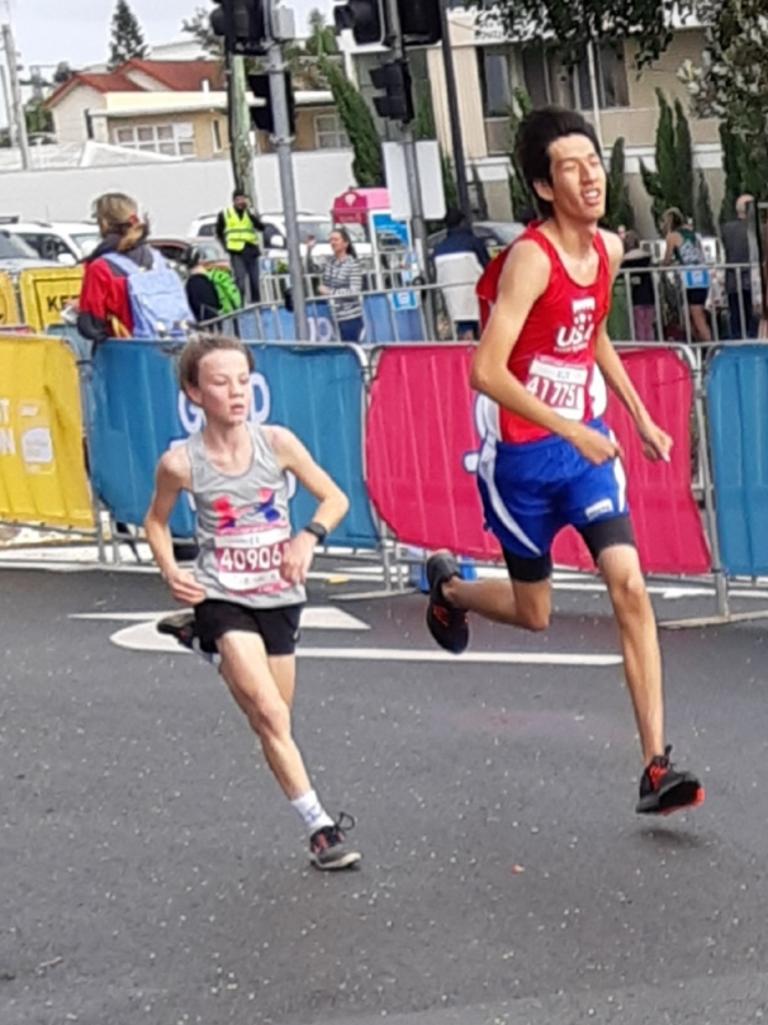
(555, 354)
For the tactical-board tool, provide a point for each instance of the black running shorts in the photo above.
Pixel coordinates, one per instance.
(278, 628)
(597, 537)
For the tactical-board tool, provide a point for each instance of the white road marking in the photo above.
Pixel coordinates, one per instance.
(314, 617)
(144, 637)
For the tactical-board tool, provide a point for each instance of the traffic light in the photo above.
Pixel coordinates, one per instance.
(420, 22)
(262, 116)
(244, 25)
(366, 18)
(394, 79)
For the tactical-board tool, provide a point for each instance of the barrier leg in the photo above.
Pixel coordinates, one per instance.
(723, 614)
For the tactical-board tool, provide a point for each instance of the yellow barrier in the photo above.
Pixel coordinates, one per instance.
(9, 308)
(45, 291)
(42, 465)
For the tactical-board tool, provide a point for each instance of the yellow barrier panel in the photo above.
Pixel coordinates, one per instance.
(45, 291)
(42, 465)
(9, 308)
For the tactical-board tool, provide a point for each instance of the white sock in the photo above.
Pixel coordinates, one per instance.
(312, 812)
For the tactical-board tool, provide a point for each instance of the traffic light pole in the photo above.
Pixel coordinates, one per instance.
(452, 94)
(418, 225)
(281, 140)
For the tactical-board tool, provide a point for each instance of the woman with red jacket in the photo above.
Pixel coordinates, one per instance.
(104, 309)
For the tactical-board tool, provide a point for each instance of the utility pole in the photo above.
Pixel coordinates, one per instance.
(282, 140)
(11, 60)
(452, 94)
(241, 150)
(418, 224)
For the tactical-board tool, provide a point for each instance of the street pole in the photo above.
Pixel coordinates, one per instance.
(452, 94)
(282, 140)
(592, 68)
(11, 59)
(418, 224)
(241, 150)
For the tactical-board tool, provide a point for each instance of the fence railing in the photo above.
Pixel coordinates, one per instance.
(400, 429)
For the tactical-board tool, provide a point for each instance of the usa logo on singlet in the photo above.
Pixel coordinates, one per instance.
(582, 327)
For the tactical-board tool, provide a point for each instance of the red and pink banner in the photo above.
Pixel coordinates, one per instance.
(423, 439)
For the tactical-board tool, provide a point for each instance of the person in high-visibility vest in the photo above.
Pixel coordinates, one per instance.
(239, 230)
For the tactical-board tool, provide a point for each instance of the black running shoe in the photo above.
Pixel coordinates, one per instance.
(447, 624)
(665, 789)
(329, 848)
(181, 626)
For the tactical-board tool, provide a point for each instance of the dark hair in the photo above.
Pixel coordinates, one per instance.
(454, 218)
(347, 238)
(237, 193)
(537, 131)
(193, 257)
(201, 345)
(631, 241)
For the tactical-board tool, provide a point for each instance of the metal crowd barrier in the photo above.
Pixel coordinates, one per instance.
(375, 417)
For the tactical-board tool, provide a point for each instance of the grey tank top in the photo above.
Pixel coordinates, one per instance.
(242, 528)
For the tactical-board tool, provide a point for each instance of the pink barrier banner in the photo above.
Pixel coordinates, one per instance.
(423, 439)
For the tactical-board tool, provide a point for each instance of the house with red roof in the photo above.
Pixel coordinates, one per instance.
(176, 108)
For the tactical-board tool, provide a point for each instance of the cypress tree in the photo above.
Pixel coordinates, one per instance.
(683, 178)
(127, 38)
(368, 165)
(619, 207)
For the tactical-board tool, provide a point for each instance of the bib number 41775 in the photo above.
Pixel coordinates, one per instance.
(560, 386)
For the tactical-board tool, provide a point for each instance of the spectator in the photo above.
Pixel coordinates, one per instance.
(105, 307)
(637, 262)
(211, 292)
(738, 283)
(240, 231)
(684, 247)
(460, 259)
(342, 282)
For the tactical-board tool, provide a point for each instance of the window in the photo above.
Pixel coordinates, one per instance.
(495, 81)
(216, 129)
(329, 132)
(548, 80)
(173, 140)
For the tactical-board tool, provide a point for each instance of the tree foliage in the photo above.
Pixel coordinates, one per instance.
(619, 207)
(127, 39)
(731, 82)
(703, 218)
(574, 23)
(198, 25)
(671, 184)
(368, 165)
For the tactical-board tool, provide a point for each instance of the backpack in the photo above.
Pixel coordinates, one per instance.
(156, 297)
(691, 252)
(227, 292)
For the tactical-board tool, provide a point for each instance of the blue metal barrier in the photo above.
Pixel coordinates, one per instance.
(317, 392)
(737, 390)
(387, 319)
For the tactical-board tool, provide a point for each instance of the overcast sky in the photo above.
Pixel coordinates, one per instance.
(77, 31)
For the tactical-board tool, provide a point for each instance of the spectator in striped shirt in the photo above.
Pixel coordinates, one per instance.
(342, 282)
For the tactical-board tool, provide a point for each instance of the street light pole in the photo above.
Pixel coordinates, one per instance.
(11, 59)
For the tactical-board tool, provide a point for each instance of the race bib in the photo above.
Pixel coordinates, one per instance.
(562, 386)
(248, 560)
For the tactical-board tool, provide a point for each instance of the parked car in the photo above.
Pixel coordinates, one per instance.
(16, 255)
(63, 242)
(177, 252)
(496, 235)
(317, 225)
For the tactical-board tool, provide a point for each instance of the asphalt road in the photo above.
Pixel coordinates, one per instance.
(151, 872)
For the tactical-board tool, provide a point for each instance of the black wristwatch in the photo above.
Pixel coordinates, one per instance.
(317, 530)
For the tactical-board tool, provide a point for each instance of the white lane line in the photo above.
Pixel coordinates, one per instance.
(314, 617)
(144, 637)
(533, 658)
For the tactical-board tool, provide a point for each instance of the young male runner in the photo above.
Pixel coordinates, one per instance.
(247, 587)
(552, 461)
